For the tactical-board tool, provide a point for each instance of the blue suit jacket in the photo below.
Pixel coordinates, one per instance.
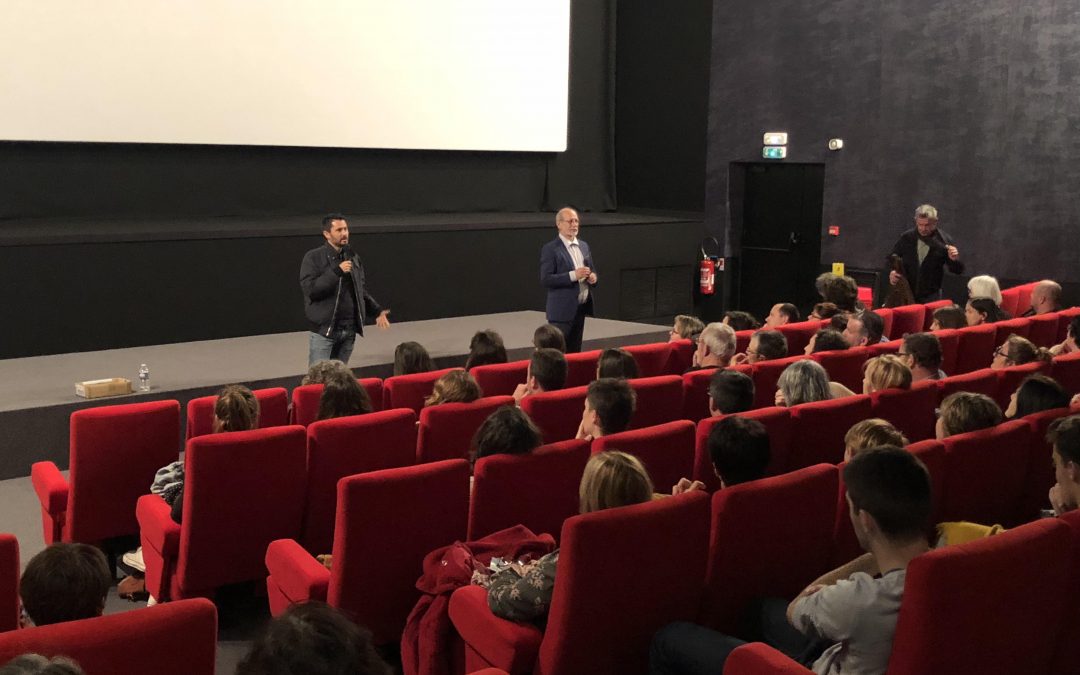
(562, 293)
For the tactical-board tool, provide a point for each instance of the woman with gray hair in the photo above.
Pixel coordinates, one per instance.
(985, 286)
(805, 382)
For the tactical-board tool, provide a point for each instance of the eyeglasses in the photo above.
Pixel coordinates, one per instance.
(998, 352)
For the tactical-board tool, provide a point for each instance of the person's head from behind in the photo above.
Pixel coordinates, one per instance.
(36, 664)
(739, 450)
(921, 352)
(1017, 351)
(984, 286)
(1064, 436)
(826, 340)
(952, 316)
(411, 358)
(782, 313)
(981, 310)
(1046, 297)
(236, 409)
(841, 291)
(507, 431)
(547, 370)
(715, 346)
(686, 327)
(888, 494)
(838, 321)
(871, 433)
(609, 405)
(966, 411)
(804, 382)
(343, 396)
(739, 320)
(1035, 394)
(65, 582)
(457, 386)
(312, 638)
(926, 219)
(322, 370)
(616, 363)
(824, 310)
(730, 392)
(549, 337)
(887, 371)
(766, 345)
(486, 347)
(612, 479)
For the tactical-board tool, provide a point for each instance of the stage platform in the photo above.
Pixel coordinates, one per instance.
(37, 394)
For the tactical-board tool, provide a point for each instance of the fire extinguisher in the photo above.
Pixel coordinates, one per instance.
(707, 269)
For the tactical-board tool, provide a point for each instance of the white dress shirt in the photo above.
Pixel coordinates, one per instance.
(574, 250)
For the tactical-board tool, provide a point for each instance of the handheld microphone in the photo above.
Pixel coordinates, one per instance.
(346, 252)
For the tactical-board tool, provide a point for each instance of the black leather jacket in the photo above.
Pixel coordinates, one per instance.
(323, 284)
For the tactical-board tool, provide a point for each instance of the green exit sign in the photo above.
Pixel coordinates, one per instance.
(773, 152)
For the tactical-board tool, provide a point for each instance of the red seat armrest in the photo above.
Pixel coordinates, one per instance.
(300, 576)
(757, 657)
(157, 526)
(51, 487)
(509, 645)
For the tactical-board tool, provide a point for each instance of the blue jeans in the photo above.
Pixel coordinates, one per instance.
(338, 346)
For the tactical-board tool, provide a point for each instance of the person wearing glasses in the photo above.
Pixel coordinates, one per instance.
(765, 345)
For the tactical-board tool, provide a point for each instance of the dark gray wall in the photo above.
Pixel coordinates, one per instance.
(971, 106)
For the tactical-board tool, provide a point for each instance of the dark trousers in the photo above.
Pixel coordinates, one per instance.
(574, 330)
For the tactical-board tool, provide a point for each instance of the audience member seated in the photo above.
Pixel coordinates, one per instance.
(864, 328)
(686, 328)
(715, 347)
(983, 310)
(845, 620)
(806, 382)
(739, 450)
(411, 358)
(320, 371)
(507, 431)
(1045, 298)
(921, 353)
(782, 313)
(952, 316)
(1069, 344)
(871, 433)
(1016, 351)
(826, 340)
(1035, 394)
(522, 592)
(984, 286)
(886, 372)
(841, 291)
(1064, 435)
(549, 337)
(730, 392)
(609, 405)
(65, 582)
(343, 396)
(966, 411)
(311, 638)
(616, 363)
(36, 664)
(823, 310)
(456, 386)
(546, 372)
(486, 347)
(765, 345)
(741, 320)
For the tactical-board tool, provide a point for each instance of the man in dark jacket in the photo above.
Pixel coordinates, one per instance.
(335, 300)
(925, 252)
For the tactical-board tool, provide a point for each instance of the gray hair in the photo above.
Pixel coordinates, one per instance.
(323, 370)
(804, 382)
(926, 210)
(719, 338)
(985, 286)
(33, 664)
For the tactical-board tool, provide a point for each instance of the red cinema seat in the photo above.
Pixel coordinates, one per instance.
(949, 339)
(658, 400)
(273, 411)
(844, 366)
(114, 453)
(976, 348)
(931, 453)
(983, 381)
(242, 490)
(886, 319)
(652, 359)
(682, 356)
(766, 375)
(377, 560)
(345, 446)
(1066, 370)
(890, 347)
(930, 308)
(1023, 303)
(557, 413)
(1009, 379)
(778, 425)
(306, 398)
(600, 627)
(769, 539)
(798, 335)
(1041, 467)
(446, 430)
(755, 658)
(1010, 301)
(1011, 327)
(134, 642)
(409, 391)
(581, 368)
(910, 410)
(1065, 318)
(1042, 329)
(742, 340)
(819, 429)
(907, 319)
(9, 582)
(865, 295)
(500, 379)
(538, 490)
(666, 450)
(986, 474)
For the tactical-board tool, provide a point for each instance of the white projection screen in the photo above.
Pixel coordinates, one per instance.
(409, 74)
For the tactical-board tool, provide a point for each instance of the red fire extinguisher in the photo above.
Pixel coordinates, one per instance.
(707, 268)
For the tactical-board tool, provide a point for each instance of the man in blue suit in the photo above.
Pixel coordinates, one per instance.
(568, 273)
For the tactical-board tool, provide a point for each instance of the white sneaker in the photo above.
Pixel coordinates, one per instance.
(134, 560)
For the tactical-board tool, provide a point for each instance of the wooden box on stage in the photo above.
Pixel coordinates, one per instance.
(113, 386)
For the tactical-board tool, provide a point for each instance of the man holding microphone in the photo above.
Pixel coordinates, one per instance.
(569, 275)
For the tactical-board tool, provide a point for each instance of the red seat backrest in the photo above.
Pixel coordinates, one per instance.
(890, 347)
(409, 391)
(377, 560)
(742, 340)
(886, 319)
(778, 425)
(1003, 329)
(976, 348)
(581, 368)
(910, 410)
(242, 490)
(1042, 329)
(844, 366)
(1066, 370)
(658, 400)
(766, 374)
(658, 537)
(1010, 301)
(907, 319)
(1041, 467)
(1023, 303)
(681, 356)
(931, 307)
(820, 427)
(949, 338)
(1065, 318)
(652, 359)
(696, 392)
(9, 582)
(932, 453)
(343, 447)
(114, 453)
(557, 413)
(446, 430)
(768, 539)
(986, 474)
(273, 411)
(666, 450)
(983, 381)
(128, 643)
(549, 476)
(500, 379)
(1009, 379)
(798, 335)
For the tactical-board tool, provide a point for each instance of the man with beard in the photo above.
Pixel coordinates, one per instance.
(925, 252)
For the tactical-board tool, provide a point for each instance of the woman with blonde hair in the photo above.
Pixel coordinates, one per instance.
(886, 372)
(457, 386)
(686, 327)
(966, 411)
(871, 433)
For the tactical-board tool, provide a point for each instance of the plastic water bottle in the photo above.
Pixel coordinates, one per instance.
(144, 378)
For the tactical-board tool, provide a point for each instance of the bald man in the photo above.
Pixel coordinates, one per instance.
(569, 275)
(1045, 297)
